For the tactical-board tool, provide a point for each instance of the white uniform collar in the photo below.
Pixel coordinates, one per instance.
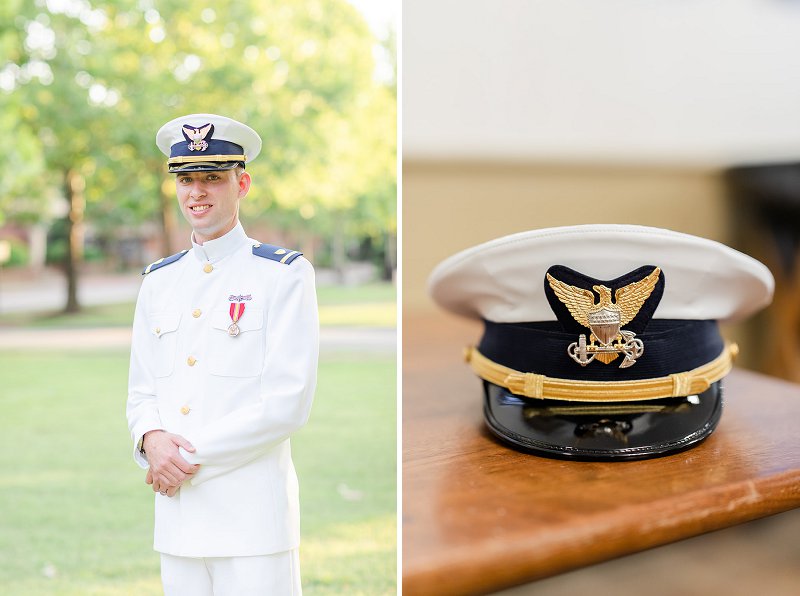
(219, 248)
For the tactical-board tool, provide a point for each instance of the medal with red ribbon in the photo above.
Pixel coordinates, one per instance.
(237, 310)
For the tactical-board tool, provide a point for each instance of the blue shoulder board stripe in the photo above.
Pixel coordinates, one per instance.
(276, 253)
(164, 261)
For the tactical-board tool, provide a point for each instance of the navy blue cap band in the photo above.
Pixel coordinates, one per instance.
(216, 147)
(670, 346)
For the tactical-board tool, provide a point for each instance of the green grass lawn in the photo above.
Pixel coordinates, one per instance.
(73, 504)
(372, 292)
(370, 305)
(106, 315)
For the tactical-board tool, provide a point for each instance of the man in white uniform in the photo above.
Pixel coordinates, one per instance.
(223, 370)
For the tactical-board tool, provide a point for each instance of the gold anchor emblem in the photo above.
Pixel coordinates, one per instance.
(605, 319)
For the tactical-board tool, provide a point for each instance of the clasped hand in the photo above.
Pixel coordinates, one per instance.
(168, 469)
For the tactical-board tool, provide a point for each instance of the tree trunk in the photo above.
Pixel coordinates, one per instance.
(389, 256)
(74, 185)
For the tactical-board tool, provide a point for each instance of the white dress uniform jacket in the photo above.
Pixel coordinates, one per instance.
(236, 399)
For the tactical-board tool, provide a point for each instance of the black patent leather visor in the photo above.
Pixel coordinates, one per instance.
(602, 431)
(204, 166)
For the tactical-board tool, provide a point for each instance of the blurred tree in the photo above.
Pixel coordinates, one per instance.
(21, 185)
(48, 52)
(91, 84)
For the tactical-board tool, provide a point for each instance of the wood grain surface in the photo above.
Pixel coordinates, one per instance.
(478, 516)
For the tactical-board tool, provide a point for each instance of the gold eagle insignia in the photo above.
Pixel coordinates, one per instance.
(605, 318)
(196, 136)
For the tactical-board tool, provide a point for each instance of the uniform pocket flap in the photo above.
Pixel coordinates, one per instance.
(164, 322)
(250, 320)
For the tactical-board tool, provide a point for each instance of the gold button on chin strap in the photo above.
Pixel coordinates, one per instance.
(534, 385)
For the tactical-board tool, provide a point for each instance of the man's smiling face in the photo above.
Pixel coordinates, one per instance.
(210, 200)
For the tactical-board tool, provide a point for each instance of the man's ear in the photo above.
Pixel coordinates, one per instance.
(244, 184)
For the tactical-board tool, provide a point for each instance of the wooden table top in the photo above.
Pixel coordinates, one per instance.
(478, 516)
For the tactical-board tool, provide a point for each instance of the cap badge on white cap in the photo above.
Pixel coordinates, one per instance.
(196, 136)
(605, 318)
(207, 143)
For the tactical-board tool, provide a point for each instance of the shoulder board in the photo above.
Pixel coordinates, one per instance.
(164, 261)
(276, 253)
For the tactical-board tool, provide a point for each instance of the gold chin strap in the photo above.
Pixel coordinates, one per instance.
(196, 158)
(686, 383)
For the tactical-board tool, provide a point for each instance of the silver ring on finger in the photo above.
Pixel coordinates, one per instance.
(163, 492)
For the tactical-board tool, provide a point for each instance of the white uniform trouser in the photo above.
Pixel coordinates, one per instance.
(264, 575)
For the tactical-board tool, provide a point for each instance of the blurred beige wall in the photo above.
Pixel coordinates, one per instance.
(450, 206)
